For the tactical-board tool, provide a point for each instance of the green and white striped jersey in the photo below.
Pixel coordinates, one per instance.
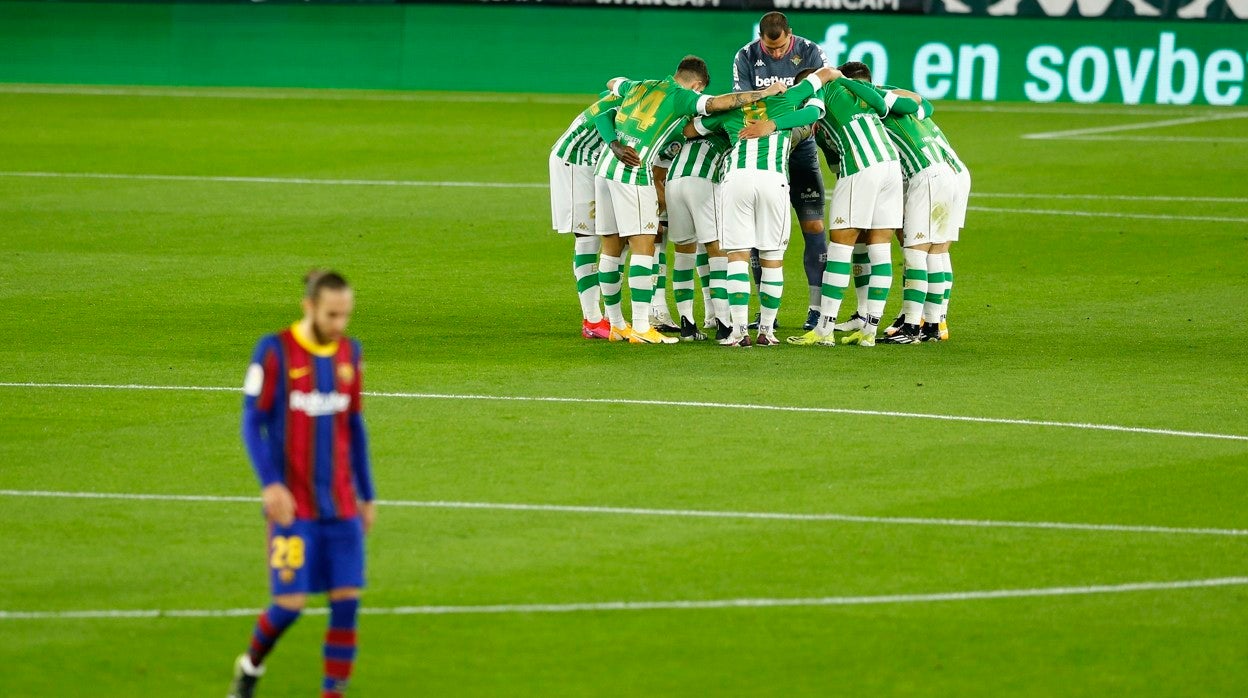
(770, 153)
(916, 144)
(580, 144)
(852, 111)
(700, 157)
(651, 113)
(950, 156)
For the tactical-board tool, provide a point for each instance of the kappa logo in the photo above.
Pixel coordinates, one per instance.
(920, 236)
(838, 221)
(649, 226)
(582, 226)
(758, 63)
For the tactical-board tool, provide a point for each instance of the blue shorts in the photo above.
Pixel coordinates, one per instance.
(310, 557)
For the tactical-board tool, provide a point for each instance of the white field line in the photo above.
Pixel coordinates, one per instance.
(1117, 197)
(678, 605)
(531, 185)
(680, 403)
(276, 180)
(261, 93)
(1135, 126)
(666, 513)
(1108, 214)
(1157, 139)
(310, 94)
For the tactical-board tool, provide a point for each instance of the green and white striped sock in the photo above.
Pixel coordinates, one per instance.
(862, 277)
(682, 284)
(739, 294)
(585, 269)
(881, 258)
(914, 287)
(659, 301)
(770, 291)
(719, 290)
(836, 275)
(947, 265)
(935, 299)
(641, 289)
(609, 281)
(704, 279)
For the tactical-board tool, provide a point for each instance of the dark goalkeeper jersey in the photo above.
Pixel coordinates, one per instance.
(753, 69)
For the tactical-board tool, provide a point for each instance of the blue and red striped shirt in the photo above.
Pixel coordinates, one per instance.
(302, 423)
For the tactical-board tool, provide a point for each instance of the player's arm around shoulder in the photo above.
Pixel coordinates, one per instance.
(736, 100)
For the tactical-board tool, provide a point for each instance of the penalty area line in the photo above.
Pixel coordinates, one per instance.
(671, 513)
(682, 403)
(675, 605)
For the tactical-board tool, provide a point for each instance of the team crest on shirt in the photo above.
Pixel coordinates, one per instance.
(346, 373)
(797, 60)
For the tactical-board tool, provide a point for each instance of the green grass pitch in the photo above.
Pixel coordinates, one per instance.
(1097, 309)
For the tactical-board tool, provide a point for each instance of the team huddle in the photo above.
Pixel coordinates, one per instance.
(653, 161)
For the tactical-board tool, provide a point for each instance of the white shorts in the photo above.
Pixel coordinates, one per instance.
(962, 197)
(625, 209)
(571, 197)
(755, 211)
(692, 211)
(929, 194)
(869, 199)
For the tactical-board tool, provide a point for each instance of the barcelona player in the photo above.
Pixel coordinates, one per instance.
(305, 436)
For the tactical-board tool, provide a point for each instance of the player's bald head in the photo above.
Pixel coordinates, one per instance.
(693, 69)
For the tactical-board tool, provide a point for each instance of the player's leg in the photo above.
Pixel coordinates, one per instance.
(571, 211)
(703, 267)
(682, 289)
(587, 246)
(806, 194)
(915, 236)
(343, 542)
(738, 241)
(862, 282)
(293, 557)
(771, 226)
(837, 270)
(717, 259)
(962, 194)
(585, 268)
(882, 202)
(637, 214)
(610, 260)
(660, 313)
(939, 279)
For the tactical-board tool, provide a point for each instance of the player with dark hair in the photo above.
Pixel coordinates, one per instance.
(305, 436)
(778, 56)
(627, 202)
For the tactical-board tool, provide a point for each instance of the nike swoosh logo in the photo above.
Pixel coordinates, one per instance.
(297, 373)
